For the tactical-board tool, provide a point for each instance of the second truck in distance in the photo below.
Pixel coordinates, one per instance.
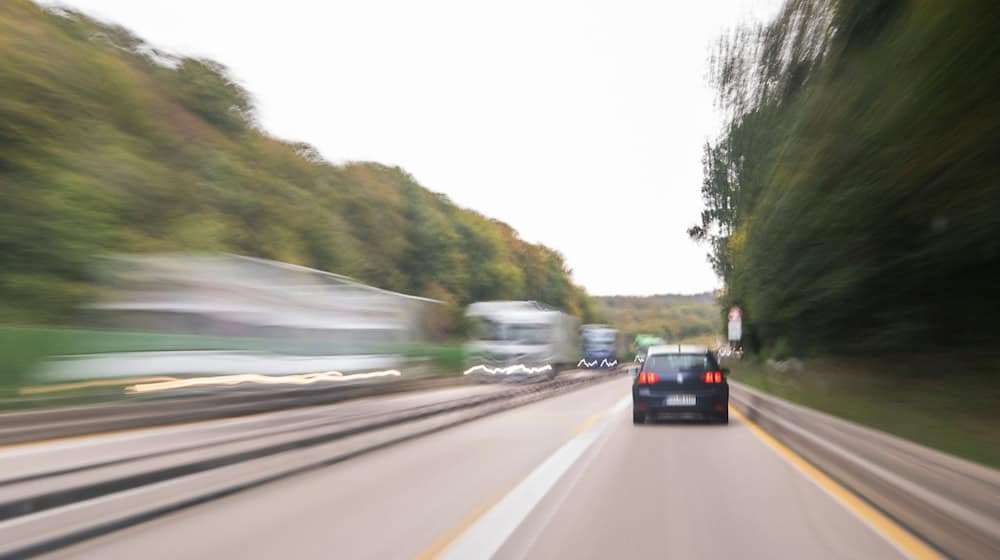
(603, 346)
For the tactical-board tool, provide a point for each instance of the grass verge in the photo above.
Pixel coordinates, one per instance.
(444, 359)
(22, 349)
(935, 401)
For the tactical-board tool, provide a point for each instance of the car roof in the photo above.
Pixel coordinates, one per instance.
(677, 349)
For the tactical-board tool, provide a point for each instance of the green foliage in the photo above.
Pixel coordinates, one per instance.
(205, 89)
(955, 413)
(852, 200)
(24, 348)
(675, 318)
(448, 359)
(109, 146)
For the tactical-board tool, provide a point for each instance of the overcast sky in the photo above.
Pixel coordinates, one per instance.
(580, 123)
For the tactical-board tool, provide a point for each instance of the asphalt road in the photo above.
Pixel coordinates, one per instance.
(24, 460)
(567, 477)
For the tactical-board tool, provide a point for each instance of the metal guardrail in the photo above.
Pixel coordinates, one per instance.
(951, 503)
(165, 409)
(142, 412)
(32, 520)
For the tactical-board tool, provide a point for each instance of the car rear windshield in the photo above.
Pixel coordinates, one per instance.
(669, 363)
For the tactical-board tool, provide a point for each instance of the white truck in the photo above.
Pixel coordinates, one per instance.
(518, 338)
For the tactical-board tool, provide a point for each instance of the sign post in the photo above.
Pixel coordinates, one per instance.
(735, 325)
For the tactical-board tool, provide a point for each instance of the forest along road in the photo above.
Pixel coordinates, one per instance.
(567, 477)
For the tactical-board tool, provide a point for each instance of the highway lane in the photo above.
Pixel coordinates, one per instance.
(615, 490)
(690, 491)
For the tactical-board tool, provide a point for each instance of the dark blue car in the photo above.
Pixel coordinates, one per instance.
(680, 382)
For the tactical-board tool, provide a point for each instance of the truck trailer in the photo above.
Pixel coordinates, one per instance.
(520, 338)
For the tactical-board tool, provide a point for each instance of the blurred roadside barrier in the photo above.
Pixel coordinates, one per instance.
(220, 314)
(172, 408)
(108, 492)
(951, 503)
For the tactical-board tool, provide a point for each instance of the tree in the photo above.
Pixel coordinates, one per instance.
(846, 199)
(107, 146)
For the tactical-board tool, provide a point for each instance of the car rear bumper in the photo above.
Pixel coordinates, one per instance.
(707, 405)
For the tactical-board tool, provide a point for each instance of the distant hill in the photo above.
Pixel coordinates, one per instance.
(677, 318)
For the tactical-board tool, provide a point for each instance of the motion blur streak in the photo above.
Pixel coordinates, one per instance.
(519, 368)
(304, 379)
(604, 363)
(89, 384)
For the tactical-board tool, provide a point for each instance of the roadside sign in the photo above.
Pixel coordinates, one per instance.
(735, 324)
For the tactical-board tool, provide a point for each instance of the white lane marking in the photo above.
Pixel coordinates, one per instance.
(486, 536)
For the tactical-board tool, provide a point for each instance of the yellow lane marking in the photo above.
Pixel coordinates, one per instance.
(444, 541)
(902, 539)
(590, 421)
(587, 423)
(593, 419)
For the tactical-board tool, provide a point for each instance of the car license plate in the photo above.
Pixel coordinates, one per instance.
(680, 400)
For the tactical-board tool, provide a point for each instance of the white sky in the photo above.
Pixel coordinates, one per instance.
(580, 123)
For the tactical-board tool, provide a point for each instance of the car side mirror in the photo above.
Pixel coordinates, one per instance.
(725, 371)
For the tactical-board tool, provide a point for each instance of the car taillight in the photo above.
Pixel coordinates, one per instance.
(648, 377)
(712, 377)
